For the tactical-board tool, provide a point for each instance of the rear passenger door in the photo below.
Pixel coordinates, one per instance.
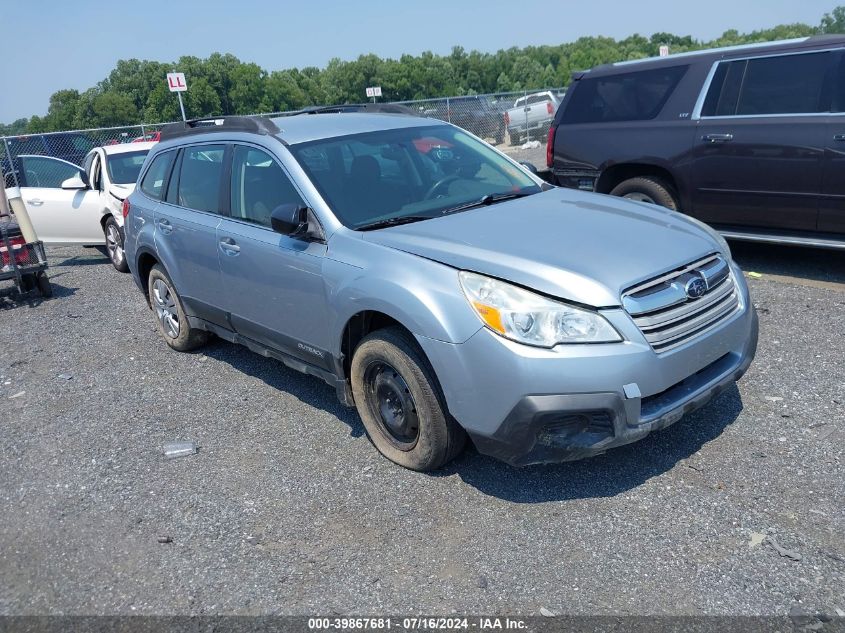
(272, 283)
(186, 229)
(759, 147)
(832, 206)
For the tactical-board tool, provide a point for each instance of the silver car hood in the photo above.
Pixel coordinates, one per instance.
(579, 246)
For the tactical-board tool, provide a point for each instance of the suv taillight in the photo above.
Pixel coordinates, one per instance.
(549, 107)
(550, 147)
(125, 209)
(507, 119)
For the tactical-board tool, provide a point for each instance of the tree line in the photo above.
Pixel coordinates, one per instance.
(135, 91)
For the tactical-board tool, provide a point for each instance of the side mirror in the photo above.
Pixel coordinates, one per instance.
(529, 166)
(80, 181)
(289, 219)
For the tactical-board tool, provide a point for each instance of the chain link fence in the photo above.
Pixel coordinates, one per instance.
(515, 122)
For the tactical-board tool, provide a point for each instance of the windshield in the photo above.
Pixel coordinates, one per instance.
(124, 168)
(419, 172)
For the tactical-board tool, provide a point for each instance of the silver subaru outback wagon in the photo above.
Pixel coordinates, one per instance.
(440, 287)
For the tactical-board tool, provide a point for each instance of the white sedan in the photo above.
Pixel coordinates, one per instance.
(69, 204)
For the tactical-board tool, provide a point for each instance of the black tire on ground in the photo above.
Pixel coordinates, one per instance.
(515, 139)
(390, 372)
(171, 321)
(114, 245)
(647, 189)
(43, 283)
(28, 283)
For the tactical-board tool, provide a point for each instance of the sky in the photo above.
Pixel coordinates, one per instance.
(50, 44)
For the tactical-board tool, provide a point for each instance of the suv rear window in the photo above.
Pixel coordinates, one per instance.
(784, 84)
(632, 96)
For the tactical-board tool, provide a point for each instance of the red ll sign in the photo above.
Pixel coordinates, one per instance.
(176, 82)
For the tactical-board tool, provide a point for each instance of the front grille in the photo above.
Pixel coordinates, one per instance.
(683, 304)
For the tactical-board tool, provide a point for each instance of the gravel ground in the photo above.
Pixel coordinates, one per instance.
(288, 509)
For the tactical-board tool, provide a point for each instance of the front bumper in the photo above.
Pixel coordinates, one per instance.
(527, 405)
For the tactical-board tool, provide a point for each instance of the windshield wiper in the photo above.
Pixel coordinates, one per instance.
(382, 224)
(485, 201)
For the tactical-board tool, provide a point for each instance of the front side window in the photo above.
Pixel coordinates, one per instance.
(259, 186)
(200, 176)
(785, 84)
(153, 182)
(42, 171)
(631, 96)
(124, 168)
(409, 173)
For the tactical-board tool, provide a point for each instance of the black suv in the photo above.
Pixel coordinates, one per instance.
(750, 139)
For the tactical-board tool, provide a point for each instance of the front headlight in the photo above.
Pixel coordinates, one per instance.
(530, 318)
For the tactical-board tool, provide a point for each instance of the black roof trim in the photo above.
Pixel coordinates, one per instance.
(368, 108)
(250, 124)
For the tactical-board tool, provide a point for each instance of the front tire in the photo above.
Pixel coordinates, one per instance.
(401, 404)
(114, 245)
(647, 189)
(171, 321)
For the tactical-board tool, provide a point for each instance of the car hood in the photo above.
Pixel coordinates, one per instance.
(579, 246)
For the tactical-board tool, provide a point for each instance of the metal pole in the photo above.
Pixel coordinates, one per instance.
(143, 132)
(525, 109)
(4, 203)
(181, 106)
(448, 110)
(11, 163)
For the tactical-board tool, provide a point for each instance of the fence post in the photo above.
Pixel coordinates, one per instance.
(525, 109)
(448, 110)
(11, 164)
(143, 132)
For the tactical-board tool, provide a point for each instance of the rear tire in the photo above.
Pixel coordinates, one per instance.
(401, 404)
(647, 189)
(171, 321)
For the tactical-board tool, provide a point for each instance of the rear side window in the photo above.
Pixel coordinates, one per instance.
(259, 185)
(785, 84)
(633, 96)
(153, 182)
(200, 176)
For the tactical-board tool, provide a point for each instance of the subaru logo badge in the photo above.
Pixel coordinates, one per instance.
(695, 287)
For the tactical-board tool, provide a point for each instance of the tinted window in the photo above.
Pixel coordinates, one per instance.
(259, 185)
(416, 171)
(41, 171)
(156, 175)
(628, 97)
(200, 175)
(788, 84)
(124, 168)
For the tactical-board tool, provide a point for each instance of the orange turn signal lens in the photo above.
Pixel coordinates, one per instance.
(490, 316)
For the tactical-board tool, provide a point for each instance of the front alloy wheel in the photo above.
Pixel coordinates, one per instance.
(114, 246)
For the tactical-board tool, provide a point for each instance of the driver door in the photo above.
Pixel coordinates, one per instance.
(60, 216)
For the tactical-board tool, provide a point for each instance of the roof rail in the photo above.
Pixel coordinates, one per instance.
(252, 124)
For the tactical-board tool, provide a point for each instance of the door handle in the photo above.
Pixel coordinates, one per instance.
(839, 137)
(36, 202)
(717, 138)
(229, 246)
(165, 226)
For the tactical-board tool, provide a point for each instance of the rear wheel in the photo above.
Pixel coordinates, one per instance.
(172, 323)
(114, 245)
(400, 402)
(647, 189)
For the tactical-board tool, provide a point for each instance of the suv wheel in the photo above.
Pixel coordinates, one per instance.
(400, 402)
(114, 245)
(647, 189)
(170, 316)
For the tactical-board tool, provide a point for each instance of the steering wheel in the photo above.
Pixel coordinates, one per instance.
(438, 185)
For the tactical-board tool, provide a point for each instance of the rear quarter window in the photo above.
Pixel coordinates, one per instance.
(154, 179)
(630, 96)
